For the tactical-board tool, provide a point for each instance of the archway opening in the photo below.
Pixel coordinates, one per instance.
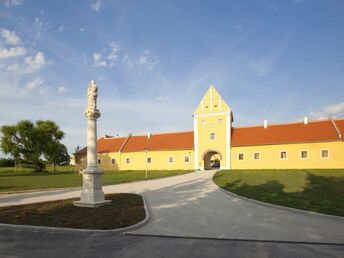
(212, 159)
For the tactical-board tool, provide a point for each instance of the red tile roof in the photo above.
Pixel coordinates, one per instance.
(166, 141)
(314, 131)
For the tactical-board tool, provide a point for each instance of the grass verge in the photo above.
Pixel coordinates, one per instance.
(11, 181)
(318, 190)
(124, 210)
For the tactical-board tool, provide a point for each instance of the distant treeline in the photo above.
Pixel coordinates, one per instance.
(6, 162)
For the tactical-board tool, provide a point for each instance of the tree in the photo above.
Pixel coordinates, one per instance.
(31, 144)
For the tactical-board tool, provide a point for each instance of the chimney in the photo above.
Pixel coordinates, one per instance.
(305, 120)
(265, 124)
(148, 135)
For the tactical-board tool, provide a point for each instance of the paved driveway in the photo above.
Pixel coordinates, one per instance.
(192, 205)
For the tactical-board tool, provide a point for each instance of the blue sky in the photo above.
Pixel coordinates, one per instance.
(154, 60)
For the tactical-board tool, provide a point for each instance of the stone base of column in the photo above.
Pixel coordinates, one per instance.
(92, 195)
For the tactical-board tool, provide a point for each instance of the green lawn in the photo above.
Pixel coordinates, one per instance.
(26, 179)
(319, 190)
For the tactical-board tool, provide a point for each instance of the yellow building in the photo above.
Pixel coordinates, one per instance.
(214, 142)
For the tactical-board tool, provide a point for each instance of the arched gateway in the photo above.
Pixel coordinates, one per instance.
(211, 159)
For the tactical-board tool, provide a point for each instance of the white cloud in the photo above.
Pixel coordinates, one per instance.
(82, 29)
(96, 6)
(61, 89)
(38, 25)
(34, 63)
(98, 60)
(36, 83)
(147, 61)
(114, 49)
(9, 3)
(10, 37)
(336, 110)
(162, 98)
(12, 52)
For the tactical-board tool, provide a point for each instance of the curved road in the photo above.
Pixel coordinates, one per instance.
(191, 205)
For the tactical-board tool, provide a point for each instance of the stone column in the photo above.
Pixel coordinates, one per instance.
(92, 194)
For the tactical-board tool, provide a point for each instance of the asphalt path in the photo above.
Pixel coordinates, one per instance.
(36, 244)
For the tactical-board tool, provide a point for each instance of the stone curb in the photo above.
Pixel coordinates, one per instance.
(237, 239)
(278, 207)
(76, 230)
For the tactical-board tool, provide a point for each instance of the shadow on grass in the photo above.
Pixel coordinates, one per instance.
(321, 194)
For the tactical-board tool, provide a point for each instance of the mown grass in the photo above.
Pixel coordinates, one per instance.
(124, 210)
(318, 190)
(26, 179)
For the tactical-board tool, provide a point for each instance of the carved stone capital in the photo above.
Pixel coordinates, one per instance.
(92, 114)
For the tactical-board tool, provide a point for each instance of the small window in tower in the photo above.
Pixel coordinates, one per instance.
(219, 121)
(212, 136)
(113, 161)
(99, 161)
(206, 107)
(241, 156)
(215, 106)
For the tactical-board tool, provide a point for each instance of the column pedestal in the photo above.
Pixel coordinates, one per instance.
(92, 195)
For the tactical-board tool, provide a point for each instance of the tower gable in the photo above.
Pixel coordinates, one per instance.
(212, 102)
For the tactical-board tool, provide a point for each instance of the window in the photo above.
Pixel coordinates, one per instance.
(99, 161)
(283, 155)
(203, 122)
(127, 160)
(324, 154)
(241, 156)
(219, 121)
(212, 136)
(149, 160)
(113, 161)
(186, 159)
(256, 155)
(170, 159)
(303, 154)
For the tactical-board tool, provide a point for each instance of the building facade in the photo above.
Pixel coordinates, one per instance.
(214, 142)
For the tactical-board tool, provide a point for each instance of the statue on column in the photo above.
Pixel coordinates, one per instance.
(92, 94)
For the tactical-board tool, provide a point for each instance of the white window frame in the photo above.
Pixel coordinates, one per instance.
(286, 154)
(99, 161)
(211, 138)
(188, 156)
(328, 153)
(259, 154)
(113, 161)
(127, 161)
(168, 159)
(243, 153)
(149, 162)
(307, 154)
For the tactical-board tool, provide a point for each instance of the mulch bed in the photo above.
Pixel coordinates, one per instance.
(124, 210)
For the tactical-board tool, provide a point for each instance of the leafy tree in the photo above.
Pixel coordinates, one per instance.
(31, 144)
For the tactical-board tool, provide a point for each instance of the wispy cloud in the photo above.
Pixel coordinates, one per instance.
(107, 56)
(10, 37)
(336, 110)
(61, 89)
(10, 3)
(147, 61)
(61, 29)
(162, 98)
(96, 6)
(12, 52)
(34, 84)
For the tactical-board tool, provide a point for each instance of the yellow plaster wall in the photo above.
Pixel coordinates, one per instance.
(270, 156)
(138, 160)
(212, 125)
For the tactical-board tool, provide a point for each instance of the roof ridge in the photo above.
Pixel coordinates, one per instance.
(289, 123)
(336, 128)
(124, 143)
(172, 132)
